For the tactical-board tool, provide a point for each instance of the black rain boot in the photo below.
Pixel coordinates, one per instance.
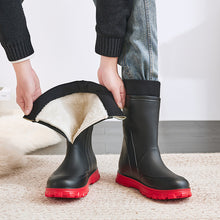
(78, 170)
(140, 163)
(71, 109)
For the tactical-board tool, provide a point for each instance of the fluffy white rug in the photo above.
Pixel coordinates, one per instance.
(18, 137)
(71, 114)
(22, 192)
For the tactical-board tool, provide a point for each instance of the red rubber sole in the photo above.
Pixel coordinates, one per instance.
(75, 192)
(153, 193)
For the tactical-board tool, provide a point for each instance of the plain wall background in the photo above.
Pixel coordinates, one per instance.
(63, 35)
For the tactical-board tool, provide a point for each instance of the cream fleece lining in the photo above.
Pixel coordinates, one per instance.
(73, 113)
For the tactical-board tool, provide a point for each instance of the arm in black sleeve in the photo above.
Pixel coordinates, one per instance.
(14, 35)
(111, 23)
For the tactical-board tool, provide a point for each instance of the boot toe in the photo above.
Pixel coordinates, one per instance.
(179, 183)
(66, 182)
(171, 183)
(166, 183)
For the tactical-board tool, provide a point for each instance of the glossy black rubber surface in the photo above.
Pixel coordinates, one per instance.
(78, 164)
(140, 157)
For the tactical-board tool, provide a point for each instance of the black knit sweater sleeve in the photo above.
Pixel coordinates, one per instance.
(111, 23)
(14, 35)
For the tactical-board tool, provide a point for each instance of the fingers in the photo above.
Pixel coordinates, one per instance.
(112, 81)
(117, 97)
(28, 86)
(119, 94)
(28, 104)
(37, 94)
(20, 102)
(123, 95)
(99, 74)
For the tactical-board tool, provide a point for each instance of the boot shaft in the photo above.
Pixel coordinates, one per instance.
(142, 114)
(77, 167)
(80, 154)
(142, 108)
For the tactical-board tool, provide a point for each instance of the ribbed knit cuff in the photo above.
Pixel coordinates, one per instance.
(18, 50)
(22, 60)
(108, 46)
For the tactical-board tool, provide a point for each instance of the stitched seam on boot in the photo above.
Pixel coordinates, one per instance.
(134, 151)
(126, 144)
(86, 150)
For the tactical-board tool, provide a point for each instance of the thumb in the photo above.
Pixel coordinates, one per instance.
(117, 96)
(28, 104)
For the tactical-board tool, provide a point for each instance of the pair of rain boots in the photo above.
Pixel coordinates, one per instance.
(140, 163)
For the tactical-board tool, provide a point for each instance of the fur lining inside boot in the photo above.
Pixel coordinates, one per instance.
(72, 107)
(73, 113)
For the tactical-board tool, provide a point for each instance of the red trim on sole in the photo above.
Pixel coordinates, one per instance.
(75, 192)
(153, 193)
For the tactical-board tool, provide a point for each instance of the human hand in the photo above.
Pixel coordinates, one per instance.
(28, 86)
(108, 77)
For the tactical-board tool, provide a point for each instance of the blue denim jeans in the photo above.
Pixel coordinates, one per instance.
(139, 56)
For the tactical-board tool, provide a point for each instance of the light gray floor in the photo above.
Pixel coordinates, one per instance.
(174, 137)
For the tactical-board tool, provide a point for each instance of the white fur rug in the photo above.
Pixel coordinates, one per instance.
(22, 192)
(71, 114)
(18, 137)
